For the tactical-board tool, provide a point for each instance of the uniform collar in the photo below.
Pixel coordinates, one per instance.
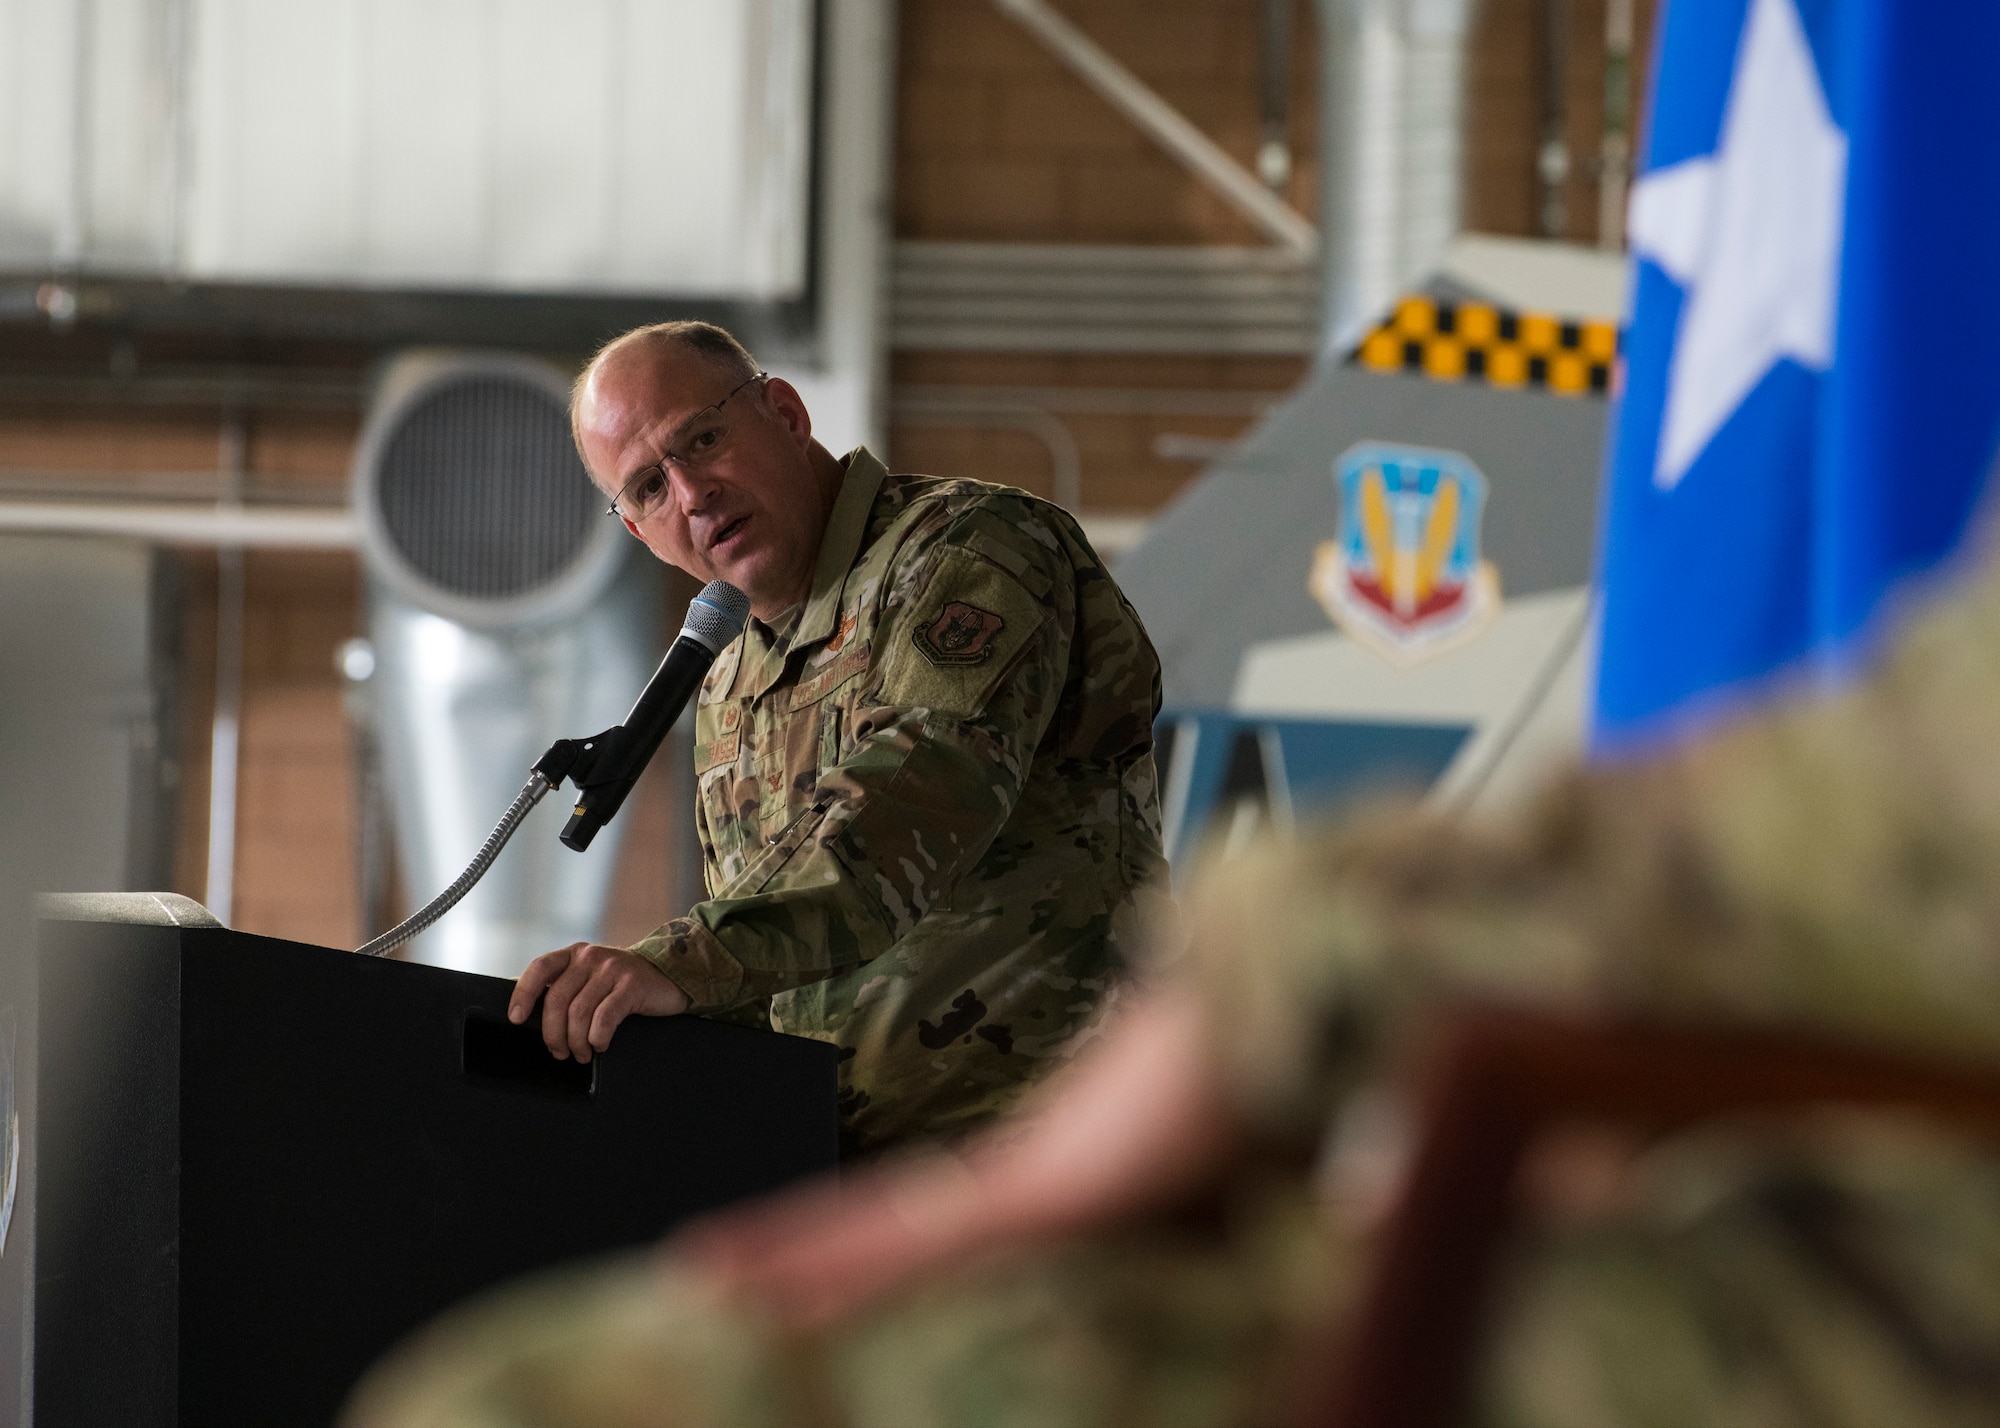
(845, 527)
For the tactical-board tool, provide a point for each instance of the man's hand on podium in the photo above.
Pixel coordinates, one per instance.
(590, 989)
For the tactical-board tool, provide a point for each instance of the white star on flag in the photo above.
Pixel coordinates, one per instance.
(1751, 233)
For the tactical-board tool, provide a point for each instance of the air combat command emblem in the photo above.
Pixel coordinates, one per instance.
(1405, 576)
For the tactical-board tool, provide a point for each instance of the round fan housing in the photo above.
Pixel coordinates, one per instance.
(472, 501)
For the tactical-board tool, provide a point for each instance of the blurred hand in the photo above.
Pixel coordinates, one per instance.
(1136, 1125)
(590, 989)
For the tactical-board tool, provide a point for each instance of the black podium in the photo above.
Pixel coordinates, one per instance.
(261, 1163)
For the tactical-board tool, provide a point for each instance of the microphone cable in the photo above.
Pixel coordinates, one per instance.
(535, 790)
(715, 617)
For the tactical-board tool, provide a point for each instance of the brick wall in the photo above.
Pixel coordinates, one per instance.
(295, 827)
(299, 453)
(1506, 72)
(296, 833)
(295, 874)
(996, 140)
(296, 805)
(1122, 470)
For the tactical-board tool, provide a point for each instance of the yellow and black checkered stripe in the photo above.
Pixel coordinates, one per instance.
(1475, 341)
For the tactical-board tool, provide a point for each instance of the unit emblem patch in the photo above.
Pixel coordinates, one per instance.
(1405, 577)
(961, 634)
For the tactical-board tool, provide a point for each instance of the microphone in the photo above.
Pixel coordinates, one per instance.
(606, 766)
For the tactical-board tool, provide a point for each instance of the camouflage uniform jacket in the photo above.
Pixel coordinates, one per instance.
(928, 807)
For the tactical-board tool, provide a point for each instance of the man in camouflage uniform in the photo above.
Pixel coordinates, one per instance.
(927, 798)
(1833, 865)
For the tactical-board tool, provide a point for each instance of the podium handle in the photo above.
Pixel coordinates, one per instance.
(497, 1050)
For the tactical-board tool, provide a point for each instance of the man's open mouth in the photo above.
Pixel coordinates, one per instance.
(728, 533)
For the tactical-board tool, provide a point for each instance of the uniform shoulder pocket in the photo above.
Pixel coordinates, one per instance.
(950, 646)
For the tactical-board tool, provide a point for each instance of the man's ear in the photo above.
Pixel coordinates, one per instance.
(784, 399)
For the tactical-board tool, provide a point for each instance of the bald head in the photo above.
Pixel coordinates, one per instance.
(715, 470)
(701, 345)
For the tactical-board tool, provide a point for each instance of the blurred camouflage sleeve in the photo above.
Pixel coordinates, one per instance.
(1825, 863)
(969, 679)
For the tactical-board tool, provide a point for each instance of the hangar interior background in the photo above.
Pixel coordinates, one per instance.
(1116, 252)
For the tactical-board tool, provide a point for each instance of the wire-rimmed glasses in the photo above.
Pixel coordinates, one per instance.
(697, 441)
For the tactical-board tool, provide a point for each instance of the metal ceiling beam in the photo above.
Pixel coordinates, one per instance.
(1165, 125)
(178, 523)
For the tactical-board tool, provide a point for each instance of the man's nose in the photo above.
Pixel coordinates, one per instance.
(692, 487)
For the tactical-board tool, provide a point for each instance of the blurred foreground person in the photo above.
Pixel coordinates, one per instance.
(1833, 866)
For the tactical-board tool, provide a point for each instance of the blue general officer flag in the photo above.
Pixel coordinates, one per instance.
(1812, 391)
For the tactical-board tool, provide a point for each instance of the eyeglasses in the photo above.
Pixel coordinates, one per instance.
(695, 443)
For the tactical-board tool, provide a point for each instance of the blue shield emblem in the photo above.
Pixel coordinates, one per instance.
(1405, 577)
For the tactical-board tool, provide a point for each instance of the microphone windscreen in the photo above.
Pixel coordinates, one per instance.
(716, 616)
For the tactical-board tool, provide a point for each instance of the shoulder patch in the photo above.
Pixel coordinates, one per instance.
(961, 634)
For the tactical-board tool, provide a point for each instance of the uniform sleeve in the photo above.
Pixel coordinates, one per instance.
(968, 679)
(1824, 865)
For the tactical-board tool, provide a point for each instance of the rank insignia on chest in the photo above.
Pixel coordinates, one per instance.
(960, 634)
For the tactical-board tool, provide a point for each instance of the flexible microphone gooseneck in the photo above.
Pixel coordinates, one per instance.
(605, 766)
